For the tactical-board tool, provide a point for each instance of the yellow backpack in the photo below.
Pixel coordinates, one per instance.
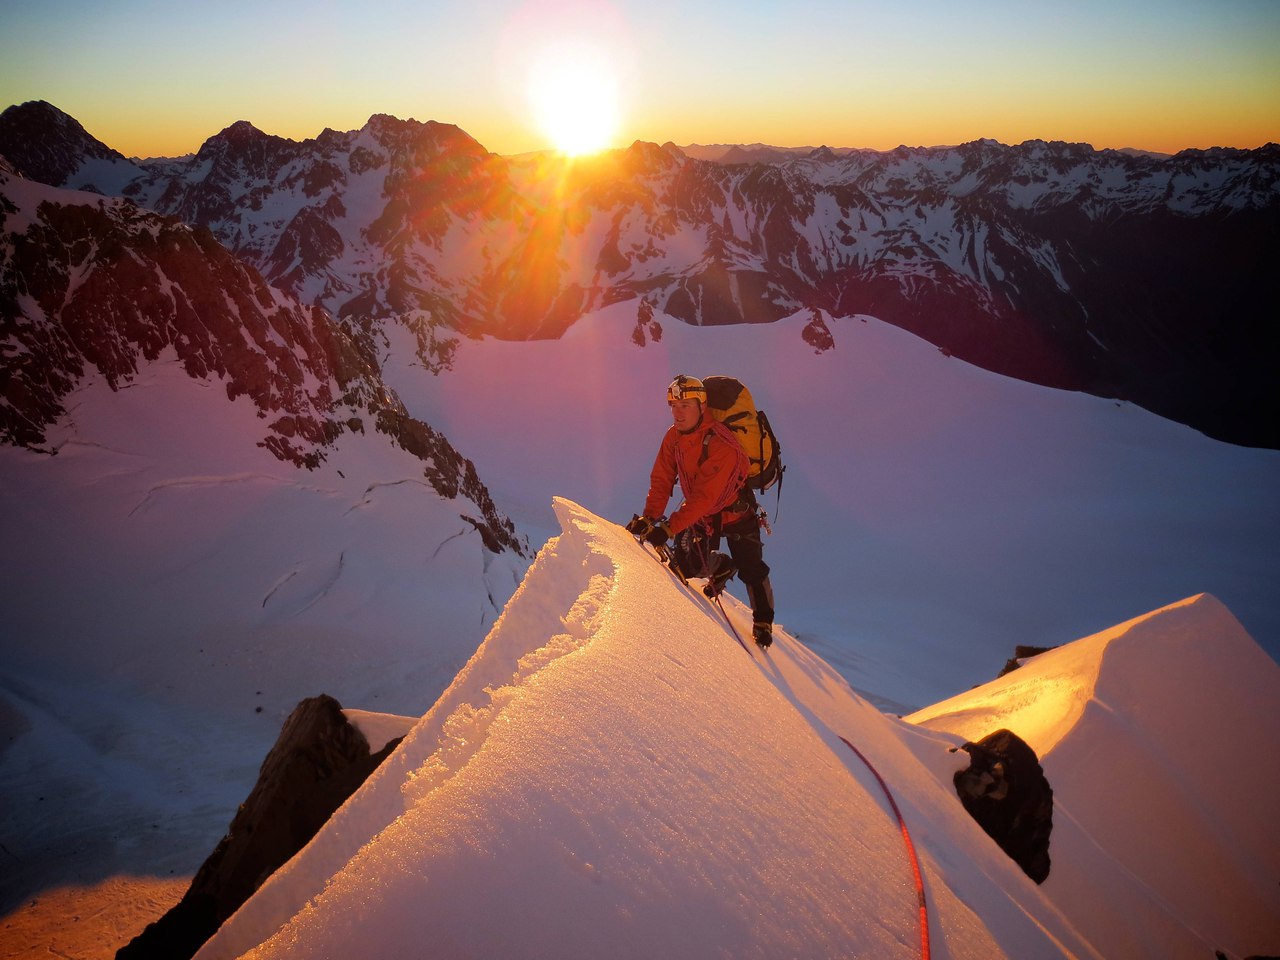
(730, 402)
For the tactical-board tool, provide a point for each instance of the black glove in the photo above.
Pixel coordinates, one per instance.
(640, 527)
(649, 530)
(658, 534)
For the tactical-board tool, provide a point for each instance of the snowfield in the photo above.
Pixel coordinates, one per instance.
(611, 770)
(602, 780)
(933, 514)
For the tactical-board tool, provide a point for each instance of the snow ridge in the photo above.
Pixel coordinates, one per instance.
(442, 743)
(610, 747)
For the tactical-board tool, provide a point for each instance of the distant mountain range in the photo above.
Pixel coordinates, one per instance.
(89, 283)
(1132, 276)
(730, 153)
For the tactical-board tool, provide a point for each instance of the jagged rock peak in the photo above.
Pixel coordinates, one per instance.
(1269, 152)
(242, 137)
(385, 125)
(982, 146)
(40, 113)
(646, 157)
(243, 146)
(238, 134)
(242, 128)
(45, 144)
(1056, 148)
(331, 137)
(392, 132)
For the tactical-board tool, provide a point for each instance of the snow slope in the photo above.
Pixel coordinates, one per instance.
(933, 515)
(171, 590)
(166, 578)
(1158, 737)
(613, 773)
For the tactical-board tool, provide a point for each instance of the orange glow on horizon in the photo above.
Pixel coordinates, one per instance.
(1156, 76)
(136, 137)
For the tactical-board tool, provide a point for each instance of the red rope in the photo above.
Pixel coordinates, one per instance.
(911, 851)
(663, 555)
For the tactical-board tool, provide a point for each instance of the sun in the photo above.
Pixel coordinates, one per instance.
(573, 91)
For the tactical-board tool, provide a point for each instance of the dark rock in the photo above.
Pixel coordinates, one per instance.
(817, 334)
(44, 144)
(1006, 792)
(1021, 652)
(104, 284)
(317, 762)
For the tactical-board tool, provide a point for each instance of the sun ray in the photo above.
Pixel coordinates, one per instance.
(573, 91)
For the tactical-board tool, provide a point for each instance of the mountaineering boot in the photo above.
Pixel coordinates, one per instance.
(720, 569)
(761, 597)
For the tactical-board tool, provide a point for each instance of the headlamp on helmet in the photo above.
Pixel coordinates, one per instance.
(686, 388)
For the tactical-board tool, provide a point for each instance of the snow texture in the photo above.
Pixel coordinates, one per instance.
(603, 780)
(171, 590)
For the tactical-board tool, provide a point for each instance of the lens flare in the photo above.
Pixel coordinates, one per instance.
(573, 92)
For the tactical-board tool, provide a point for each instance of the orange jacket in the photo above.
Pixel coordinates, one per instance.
(709, 484)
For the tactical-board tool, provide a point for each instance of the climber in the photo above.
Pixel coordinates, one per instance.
(711, 466)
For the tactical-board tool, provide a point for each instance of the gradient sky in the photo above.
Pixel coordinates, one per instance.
(153, 78)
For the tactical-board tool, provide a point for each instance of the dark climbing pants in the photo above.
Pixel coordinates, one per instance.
(695, 552)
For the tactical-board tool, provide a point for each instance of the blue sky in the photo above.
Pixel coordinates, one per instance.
(153, 78)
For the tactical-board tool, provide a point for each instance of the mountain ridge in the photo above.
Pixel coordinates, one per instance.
(567, 764)
(93, 284)
(1123, 275)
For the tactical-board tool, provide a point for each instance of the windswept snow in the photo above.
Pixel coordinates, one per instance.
(613, 774)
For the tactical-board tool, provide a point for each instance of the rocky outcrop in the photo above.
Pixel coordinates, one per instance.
(318, 761)
(1005, 790)
(1021, 653)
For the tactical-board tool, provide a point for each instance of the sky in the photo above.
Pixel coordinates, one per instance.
(152, 78)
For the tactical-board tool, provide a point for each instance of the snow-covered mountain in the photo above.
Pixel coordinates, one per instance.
(175, 577)
(1125, 275)
(92, 286)
(598, 780)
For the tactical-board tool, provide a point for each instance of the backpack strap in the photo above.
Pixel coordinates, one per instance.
(744, 463)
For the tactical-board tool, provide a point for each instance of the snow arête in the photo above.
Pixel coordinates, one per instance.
(711, 591)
